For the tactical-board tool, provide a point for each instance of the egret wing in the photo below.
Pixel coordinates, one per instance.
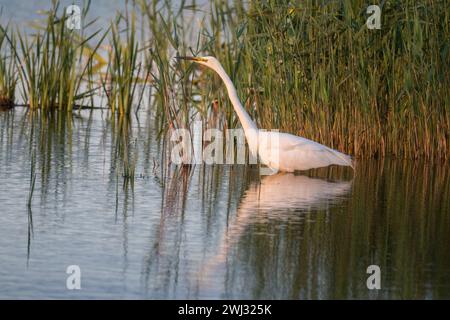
(297, 153)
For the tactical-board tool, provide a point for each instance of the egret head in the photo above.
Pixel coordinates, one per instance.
(208, 61)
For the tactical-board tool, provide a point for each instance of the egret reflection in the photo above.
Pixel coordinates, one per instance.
(278, 197)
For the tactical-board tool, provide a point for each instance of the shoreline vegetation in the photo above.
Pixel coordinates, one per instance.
(309, 68)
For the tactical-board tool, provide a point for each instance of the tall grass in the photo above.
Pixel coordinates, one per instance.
(8, 77)
(125, 67)
(53, 63)
(170, 33)
(326, 76)
(316, 70)
(306, 67)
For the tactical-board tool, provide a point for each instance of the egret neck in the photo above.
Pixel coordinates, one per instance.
(249, 126)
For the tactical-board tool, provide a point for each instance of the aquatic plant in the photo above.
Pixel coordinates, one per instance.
(8, 78)
(310, 68)
(317, 71)
(53, 63)
(125, 69)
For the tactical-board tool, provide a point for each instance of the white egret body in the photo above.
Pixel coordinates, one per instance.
(279, 151)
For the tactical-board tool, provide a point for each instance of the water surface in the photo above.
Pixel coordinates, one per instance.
(207, 231)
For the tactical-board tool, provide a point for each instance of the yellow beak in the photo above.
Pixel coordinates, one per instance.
(192, 58)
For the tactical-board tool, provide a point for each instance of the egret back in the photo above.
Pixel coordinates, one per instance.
(289, 153)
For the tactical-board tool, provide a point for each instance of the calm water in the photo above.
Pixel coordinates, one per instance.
(208, 231)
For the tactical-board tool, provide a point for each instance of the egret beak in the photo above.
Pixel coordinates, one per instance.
(198, 59)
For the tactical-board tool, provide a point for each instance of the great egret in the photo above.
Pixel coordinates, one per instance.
(279, 151)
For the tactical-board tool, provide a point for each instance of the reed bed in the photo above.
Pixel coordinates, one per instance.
(171, 33)
(53, 62)
(306, 67)
(370, 93)
(125, 67)
(315, 69)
